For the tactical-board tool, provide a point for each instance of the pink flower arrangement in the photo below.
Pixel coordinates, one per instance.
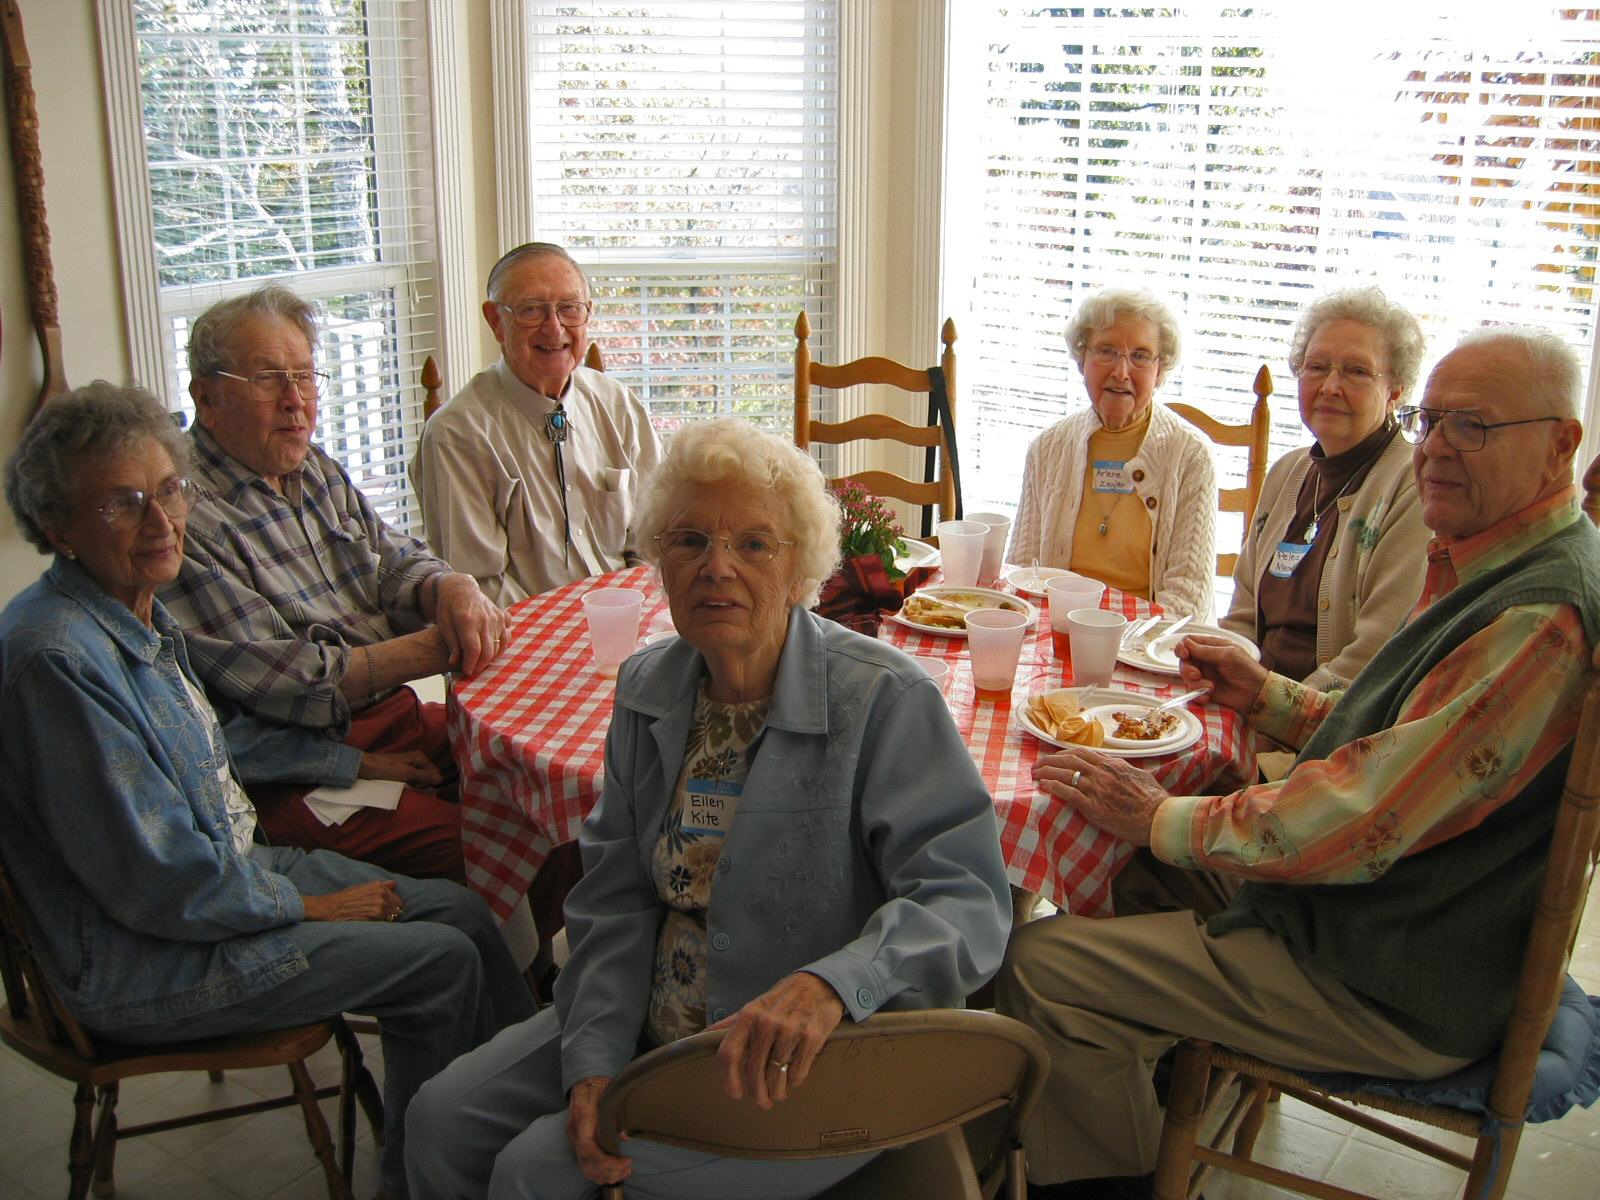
(867, 526)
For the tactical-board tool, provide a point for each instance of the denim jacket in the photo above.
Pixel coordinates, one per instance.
(112, 819)
(865, 849)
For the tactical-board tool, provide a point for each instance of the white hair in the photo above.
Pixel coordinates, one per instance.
(1554, 378)
(730, 450)
(1103, 309)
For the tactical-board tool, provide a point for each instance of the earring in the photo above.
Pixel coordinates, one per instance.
(69, 552)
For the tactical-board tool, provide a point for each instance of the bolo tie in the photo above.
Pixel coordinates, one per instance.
(555, 429)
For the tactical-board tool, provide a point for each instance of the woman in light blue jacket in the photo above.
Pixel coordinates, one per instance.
(792, 833)
(158, 912)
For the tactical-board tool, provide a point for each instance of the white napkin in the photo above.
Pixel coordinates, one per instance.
(336, 805)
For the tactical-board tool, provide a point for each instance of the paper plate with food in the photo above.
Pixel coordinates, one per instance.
(1117, 723)
(1155, 651)
(917, 554)
(943, 610)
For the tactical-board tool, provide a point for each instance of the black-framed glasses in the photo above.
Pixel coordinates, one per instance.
(1462, 430)
(127, 508)
(531, 314)
(753, 547)
(1108, 356)
(276, 383)
(1354, 374)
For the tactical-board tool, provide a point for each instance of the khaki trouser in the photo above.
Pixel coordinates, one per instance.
(1110, 995)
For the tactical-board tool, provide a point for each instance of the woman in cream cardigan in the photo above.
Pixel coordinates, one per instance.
(1123, 491)
(1336, 553)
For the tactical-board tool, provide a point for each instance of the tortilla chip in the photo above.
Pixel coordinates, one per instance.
(1058, 715)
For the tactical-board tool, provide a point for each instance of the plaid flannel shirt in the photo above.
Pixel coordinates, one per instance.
(274, 588)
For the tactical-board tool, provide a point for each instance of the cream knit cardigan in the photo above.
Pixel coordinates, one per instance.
(1373, 573)
(1172, 476)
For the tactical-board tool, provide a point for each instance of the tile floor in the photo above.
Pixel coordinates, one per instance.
(267, 1157)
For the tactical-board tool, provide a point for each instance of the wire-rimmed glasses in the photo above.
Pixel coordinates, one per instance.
(1463, 430)
(127, 508)
(754, 547)
(530, 314)
(275, 384)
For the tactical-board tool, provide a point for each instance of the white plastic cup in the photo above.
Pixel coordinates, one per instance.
(961, 551)
(937, 668)
(994, 544)
(994, 642)
(1096, 636)
(1063, 593)
(613, 616)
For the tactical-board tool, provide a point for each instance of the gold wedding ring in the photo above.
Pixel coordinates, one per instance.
(1073, 782)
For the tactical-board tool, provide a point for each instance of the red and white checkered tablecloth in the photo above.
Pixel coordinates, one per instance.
(529, 736)
(1048, 847)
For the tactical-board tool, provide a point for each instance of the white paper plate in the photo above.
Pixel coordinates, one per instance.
(1000, 600)
(1106, 700)
(1153, 651)
(1030, 581)
(660, 635)
(918, 554)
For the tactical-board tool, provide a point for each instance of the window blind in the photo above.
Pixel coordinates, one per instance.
(285, 141)
(686, 153)
(1241, 161)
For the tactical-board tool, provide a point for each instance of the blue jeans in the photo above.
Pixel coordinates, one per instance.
(494, 1124)
(440, 981)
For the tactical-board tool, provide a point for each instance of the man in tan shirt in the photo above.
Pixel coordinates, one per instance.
(528, 475)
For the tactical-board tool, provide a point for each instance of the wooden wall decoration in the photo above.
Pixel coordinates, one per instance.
(27, 164)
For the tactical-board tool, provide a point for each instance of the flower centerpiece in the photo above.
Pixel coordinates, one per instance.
(868, 583)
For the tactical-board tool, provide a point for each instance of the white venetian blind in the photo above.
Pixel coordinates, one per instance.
(285, 141)
(686, 153)
(1241, 161)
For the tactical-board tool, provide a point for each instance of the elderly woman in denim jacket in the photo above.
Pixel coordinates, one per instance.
(792, 832)
(159, 911)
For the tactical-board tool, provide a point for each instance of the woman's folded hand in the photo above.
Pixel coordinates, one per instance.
(773, 1040)
(374, 901)
(583, 1122)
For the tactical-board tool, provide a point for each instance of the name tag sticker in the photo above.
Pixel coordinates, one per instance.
(707, 808)
(1286, 558)
(1111, 477)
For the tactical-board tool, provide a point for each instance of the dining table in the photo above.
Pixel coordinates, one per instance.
(529, 732)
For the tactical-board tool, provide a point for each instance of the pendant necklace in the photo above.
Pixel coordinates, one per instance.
(1319, 509)
(556, 429)
(1105, 514)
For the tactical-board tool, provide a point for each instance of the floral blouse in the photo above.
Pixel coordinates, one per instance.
(704, 804)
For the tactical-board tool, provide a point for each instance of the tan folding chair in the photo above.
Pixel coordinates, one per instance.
(941, 491)
(38, 1026)
(1203, 1072)
(899, 1079)
(1251, 436)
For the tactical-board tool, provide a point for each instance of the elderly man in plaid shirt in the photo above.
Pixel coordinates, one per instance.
(305, 613)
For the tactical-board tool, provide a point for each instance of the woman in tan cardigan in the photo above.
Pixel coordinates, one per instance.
(1335, 556)
(1122, 490)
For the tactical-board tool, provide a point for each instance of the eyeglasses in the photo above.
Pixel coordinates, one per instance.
(127, 508)
(1108, 356)
(1354, 374)
(749, 546)
(1465, 431)
(276, 383)
(534, 313)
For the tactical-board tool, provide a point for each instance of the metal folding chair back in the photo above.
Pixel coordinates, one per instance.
(899, 1079)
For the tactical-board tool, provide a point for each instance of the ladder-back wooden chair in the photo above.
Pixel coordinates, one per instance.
(1499, 1087)
(1253, 438)
(943, 490)
(36, 1024)
(432, 380)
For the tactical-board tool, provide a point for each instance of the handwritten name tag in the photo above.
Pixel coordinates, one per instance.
(1286, 558)
(1111, 477)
